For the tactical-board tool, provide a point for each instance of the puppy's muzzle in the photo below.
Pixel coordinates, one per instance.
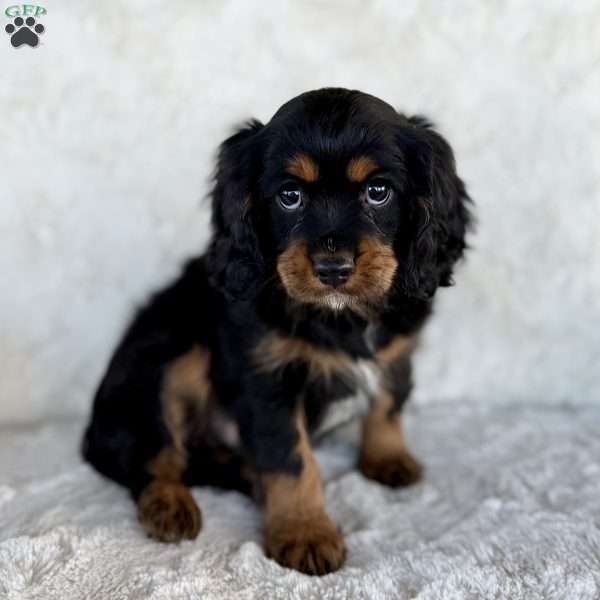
(333, 270)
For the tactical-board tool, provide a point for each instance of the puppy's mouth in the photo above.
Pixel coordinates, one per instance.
(337, 281)
(335, 300)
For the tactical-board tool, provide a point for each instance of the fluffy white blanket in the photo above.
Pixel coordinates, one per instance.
(509, 508)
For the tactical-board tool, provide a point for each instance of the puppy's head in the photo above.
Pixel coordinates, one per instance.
(341, 201)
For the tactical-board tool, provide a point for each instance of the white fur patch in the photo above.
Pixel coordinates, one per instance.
(343, 411)
(337, 301)
(367, 377)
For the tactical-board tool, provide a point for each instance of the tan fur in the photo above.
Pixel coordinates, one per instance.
(374, 271)
(275, 351)
(168, 512)
(166, 508)
(295, 495)
(298, 532)
(304, 167)
(360, 167)
(399, 346)
(383, 453)
(373, 274)
(186, 392)
(296, 272)
(168, 465)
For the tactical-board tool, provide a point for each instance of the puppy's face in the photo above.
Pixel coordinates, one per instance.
(334, 218)
(334, 184)
(338, 192)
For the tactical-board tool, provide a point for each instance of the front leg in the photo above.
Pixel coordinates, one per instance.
(298, 532)
(384, 456)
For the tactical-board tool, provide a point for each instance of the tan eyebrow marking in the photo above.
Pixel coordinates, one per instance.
(303, 167)
(360, 167)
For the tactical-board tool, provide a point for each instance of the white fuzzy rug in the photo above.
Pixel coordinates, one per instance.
(509, 508)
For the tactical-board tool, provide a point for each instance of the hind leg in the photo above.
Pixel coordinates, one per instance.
(144, 461)
(166, 508)
(144, 412)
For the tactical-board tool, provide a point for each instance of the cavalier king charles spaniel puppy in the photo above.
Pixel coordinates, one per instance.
(333, 226)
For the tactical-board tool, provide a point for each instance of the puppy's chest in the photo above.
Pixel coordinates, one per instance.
(346, 393)
(331, 402)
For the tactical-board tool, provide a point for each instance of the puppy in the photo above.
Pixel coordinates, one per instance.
(333, 226)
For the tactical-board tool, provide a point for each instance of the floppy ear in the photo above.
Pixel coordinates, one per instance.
(235, 263)
(439, 214)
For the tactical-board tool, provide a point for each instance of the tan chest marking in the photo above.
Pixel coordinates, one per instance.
(275, 351)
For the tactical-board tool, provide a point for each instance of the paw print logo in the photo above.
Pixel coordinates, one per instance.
(24, 32)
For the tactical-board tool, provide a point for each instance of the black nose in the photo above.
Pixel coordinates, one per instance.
(334, 271)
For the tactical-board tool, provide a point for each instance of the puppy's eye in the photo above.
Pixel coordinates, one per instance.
(290, 196)
(378, 192)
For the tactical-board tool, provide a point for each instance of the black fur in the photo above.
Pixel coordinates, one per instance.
(229, 299)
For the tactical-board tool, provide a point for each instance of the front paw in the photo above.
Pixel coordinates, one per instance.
(394, 471)
(312, 546)
(168, 512)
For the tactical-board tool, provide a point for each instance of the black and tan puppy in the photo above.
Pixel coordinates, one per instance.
(333, 226)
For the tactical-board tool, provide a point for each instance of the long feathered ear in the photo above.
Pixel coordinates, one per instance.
(439, 213)
(235, 263)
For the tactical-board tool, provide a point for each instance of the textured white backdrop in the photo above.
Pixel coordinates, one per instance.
(108, 131)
